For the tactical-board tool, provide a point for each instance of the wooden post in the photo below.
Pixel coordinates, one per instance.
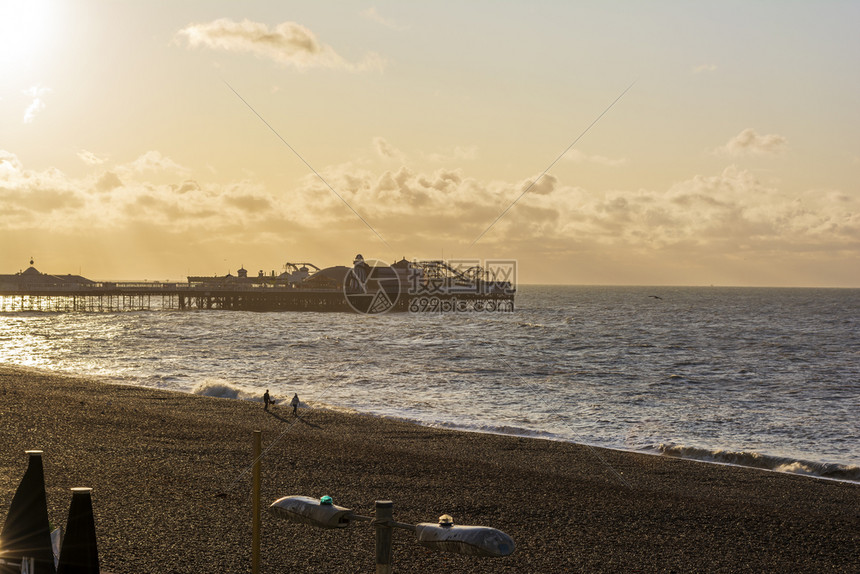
(255, 536)
(384, 513)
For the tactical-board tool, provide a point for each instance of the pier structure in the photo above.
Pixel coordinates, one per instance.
(155, 296)
(83, 302)
(90, 297)
(294, 290)
(161, 297)
(260, 299)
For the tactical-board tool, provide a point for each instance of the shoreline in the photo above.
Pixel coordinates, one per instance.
(842, 468)
(832, 471)
(837, 471)
(171, 493)
(853, 470)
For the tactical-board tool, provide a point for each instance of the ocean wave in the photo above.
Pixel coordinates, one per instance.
(485, 428)
(763, 461)
(224, 390)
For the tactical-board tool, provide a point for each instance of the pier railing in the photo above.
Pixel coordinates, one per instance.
(112, 296)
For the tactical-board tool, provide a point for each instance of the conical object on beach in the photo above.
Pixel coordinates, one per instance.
(79, 554)
(26, 534)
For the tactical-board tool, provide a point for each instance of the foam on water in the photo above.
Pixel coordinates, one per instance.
(763, 461)
(224, 390)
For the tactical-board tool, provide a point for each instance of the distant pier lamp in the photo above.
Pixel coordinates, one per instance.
(443, 536)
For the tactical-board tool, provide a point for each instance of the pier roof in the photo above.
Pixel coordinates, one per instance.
(32, 276)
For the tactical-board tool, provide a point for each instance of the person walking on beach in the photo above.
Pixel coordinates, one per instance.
(266, 400)
(295, 403)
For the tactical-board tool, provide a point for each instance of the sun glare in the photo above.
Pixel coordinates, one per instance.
(25, 32)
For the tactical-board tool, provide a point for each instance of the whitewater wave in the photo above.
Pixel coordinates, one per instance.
(484, 428)
(763, 461)
(225, 390)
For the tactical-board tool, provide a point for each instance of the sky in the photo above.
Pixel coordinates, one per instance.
(600, 143)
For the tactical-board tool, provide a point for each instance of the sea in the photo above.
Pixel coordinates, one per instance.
(761, 377)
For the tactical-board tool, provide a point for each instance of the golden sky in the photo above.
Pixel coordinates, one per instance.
(399, 129)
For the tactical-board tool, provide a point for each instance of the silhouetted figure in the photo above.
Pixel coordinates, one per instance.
(295, 403)
(267, 400)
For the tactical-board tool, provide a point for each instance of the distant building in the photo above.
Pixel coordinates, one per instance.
(33, 278)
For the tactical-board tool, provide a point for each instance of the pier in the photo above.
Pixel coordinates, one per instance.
(96, 297)
(119, 297)
(323, 291)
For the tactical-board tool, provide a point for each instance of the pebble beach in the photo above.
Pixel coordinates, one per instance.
(171, 479)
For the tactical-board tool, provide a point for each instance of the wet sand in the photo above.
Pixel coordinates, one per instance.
(172, 490)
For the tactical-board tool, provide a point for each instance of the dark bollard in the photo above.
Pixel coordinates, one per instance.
(384, 515)
(26, 535)
(79, 554)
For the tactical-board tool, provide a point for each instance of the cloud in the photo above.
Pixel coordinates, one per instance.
(543, 186)
(90, 158)
(153, 161)
(10, 165)
(730, 214)
(151, 195)
(108, 182)
(749, 142)
(186, 186)
(27, 198)
(727, 212)
(373, 15)
(37, 105)
(287, 43)
(386, 150)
